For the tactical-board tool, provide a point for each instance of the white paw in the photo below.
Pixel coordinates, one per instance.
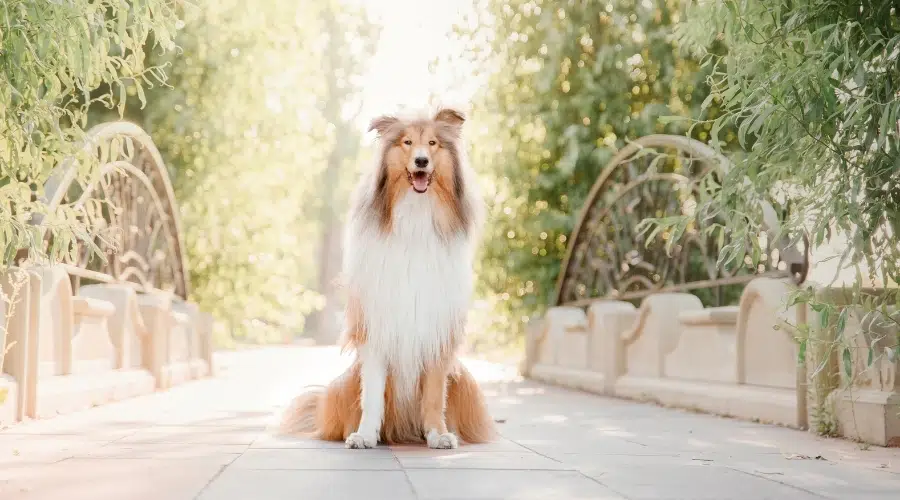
(446, 441)
(357, 441)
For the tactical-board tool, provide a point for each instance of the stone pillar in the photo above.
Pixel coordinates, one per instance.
(126, 326)
(607, 320)
(156, 312)
(22, 296)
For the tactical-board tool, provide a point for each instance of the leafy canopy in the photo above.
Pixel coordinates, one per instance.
(569, 84)
(54, 56)
(247, 127)
(813, 87)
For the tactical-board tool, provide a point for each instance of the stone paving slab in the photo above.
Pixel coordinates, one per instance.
(212, 440)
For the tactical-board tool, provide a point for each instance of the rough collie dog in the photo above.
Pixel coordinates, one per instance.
(408, 273)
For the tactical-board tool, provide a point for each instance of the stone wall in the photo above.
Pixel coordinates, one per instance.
(67, 350)
(739, 361)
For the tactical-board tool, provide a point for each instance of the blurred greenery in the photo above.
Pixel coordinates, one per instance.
(569, 84)
(256, 124)
(55, 57)
(813, 88)
(256, 113)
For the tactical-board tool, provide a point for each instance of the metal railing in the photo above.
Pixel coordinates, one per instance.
(651, 177)
(137, 222)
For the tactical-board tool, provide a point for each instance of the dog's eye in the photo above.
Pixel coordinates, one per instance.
(432, 143)
(407, 142)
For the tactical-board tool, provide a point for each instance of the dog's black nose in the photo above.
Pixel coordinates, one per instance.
(421, 162)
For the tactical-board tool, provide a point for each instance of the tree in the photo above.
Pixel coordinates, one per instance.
(250, 127)
(573, 81)
(53, 58)
(813, 88)
(350, 41)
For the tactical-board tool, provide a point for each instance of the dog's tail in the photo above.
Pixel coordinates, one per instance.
(301, 417)
(467, 411)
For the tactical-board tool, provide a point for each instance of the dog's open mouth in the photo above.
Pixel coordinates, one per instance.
(419, 180)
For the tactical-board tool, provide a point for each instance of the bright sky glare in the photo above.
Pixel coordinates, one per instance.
(414, 33)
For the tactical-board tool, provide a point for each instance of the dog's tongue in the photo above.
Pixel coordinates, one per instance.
(420, 183)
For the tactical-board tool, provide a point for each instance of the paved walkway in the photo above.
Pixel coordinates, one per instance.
(208, 440)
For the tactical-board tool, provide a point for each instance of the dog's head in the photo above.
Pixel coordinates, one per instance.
(421, 151)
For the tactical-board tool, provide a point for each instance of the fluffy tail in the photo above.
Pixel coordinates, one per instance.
(467, 411)
(300, 418)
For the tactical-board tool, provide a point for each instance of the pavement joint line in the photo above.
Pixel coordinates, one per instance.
(537, 452)
(214, 477)
(601, 483)
(576, 470)
(768, 477)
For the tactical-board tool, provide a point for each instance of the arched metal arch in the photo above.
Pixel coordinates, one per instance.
(140, 210)
(603, 258)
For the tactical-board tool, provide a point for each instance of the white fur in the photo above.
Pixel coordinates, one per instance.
(357, 441)
(419, 153)
(446, 441)
(413, 285)
(374, 377)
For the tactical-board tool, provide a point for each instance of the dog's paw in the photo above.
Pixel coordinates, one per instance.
(357, 441)
(445, 441)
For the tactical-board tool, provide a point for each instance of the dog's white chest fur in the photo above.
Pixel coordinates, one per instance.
(413, 285)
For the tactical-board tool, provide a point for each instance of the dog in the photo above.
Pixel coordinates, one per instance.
(409, 247)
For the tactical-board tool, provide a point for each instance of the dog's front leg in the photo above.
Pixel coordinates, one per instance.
(434, 403)
(373, 376)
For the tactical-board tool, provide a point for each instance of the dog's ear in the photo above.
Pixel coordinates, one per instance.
(382, 124)
(450, 116)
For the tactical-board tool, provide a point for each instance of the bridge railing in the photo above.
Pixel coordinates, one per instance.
(108, 325)
(643, 321)
(654, 176)
(140, 228)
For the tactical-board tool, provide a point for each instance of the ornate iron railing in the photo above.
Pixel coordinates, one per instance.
(137, 215)
(656, 176)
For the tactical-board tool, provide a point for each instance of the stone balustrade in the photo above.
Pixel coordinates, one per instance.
(867, 403)
(61, 350)
(738, 361)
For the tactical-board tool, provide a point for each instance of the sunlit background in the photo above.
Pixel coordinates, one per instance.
(263, 125)
(402, 73)
(262, 122)
(269, 133)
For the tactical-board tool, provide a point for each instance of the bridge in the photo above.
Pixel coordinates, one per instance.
(657, 373)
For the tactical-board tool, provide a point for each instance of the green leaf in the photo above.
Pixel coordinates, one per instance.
(859, 77)
(665, 120)
(122, 99)
(887, 125)
(871, 355)
(848, 363)
(142, 97)
(841, 323)
(828, 94)
(732, 8)
(656, 230)
(801, 352)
